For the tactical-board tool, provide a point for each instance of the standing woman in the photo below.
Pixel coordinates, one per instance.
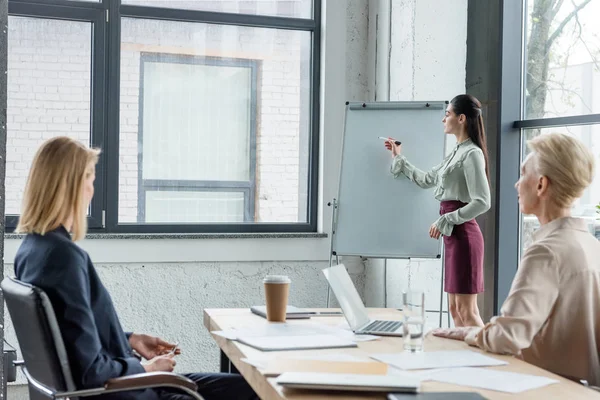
(461, 184)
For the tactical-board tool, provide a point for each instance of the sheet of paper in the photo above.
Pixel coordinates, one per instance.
(262, 362)
(437, 359)
(286, 329)
(422, 374)
(302, 342)
(482, 378)
(274, 329)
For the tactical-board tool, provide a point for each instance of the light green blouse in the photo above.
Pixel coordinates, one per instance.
(461, 176)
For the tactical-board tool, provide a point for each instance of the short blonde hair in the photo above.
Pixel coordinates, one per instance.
(566, 162)
(54, 189)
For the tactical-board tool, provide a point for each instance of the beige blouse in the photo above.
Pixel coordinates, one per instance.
(551, 316)
(460, 176)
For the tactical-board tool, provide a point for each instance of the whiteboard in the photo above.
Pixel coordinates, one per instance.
(377, 215)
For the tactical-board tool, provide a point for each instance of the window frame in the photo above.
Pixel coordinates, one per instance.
(248, 188)
(105, 105)
(512, 124)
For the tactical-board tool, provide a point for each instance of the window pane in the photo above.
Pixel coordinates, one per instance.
(206, 111)
(48, 92)
(194, 207)
(585, 206)
(205, 107)
(562, 59)
(283, 8)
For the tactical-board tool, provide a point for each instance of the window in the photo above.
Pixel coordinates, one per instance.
(562, 58)
(198, 139)
(550, 83)
(585, 206)
(562, 64)
(206, 111)
(49, 71)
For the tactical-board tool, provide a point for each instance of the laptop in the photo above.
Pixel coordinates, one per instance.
(353, 308)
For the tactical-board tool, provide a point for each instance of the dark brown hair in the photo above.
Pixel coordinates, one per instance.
(471, 108)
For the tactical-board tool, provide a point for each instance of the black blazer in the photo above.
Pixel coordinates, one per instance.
(97, 347)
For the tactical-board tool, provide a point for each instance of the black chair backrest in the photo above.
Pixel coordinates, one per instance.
(38, 334)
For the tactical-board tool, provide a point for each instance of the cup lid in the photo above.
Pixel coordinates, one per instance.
(276, 279)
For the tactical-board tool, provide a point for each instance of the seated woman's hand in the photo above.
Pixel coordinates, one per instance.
(165, 363)
(149, 346)
(454, 333)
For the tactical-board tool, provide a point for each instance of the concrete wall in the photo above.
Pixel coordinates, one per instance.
(427, 56)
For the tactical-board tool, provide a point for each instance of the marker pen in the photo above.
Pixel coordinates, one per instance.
(398, 143)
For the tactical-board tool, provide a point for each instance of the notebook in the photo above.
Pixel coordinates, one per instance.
(348, 382)
(291, 312)
(299, 342)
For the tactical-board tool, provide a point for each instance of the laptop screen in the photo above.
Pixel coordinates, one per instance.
(346, 294)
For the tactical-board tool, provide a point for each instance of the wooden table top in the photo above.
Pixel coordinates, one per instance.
(221, 319)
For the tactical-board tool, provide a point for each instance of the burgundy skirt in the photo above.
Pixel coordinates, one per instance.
(463, 255)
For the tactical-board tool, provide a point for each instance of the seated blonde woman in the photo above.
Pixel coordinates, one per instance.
(551, 317)
(58, 193)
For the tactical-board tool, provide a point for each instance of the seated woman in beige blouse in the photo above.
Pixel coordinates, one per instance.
(551, 317)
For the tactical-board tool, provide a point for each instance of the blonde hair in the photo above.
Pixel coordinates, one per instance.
(566, 162)
(54, 189)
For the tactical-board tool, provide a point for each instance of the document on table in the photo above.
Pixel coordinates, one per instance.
(274, 329)
(285, 329)
(437, 359)
(262, 362)
(303, 342)
(482, 378)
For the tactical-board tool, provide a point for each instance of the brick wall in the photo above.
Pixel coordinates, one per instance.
(49, 92)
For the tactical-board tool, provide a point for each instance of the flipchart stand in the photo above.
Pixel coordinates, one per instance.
(333, 253)
(374, 226)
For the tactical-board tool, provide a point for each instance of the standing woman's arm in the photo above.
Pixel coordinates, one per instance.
(401, 166)
(479, 193)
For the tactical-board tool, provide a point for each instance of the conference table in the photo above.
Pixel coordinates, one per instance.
(232, 352)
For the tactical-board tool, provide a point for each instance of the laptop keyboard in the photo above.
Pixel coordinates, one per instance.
(383, 326)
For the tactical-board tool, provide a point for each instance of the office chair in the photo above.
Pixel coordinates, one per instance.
(45, 363)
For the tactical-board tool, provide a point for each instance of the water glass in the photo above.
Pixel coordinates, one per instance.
(414, 319)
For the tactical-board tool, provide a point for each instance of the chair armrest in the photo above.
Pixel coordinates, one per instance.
(150, 379)
(18, 363)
